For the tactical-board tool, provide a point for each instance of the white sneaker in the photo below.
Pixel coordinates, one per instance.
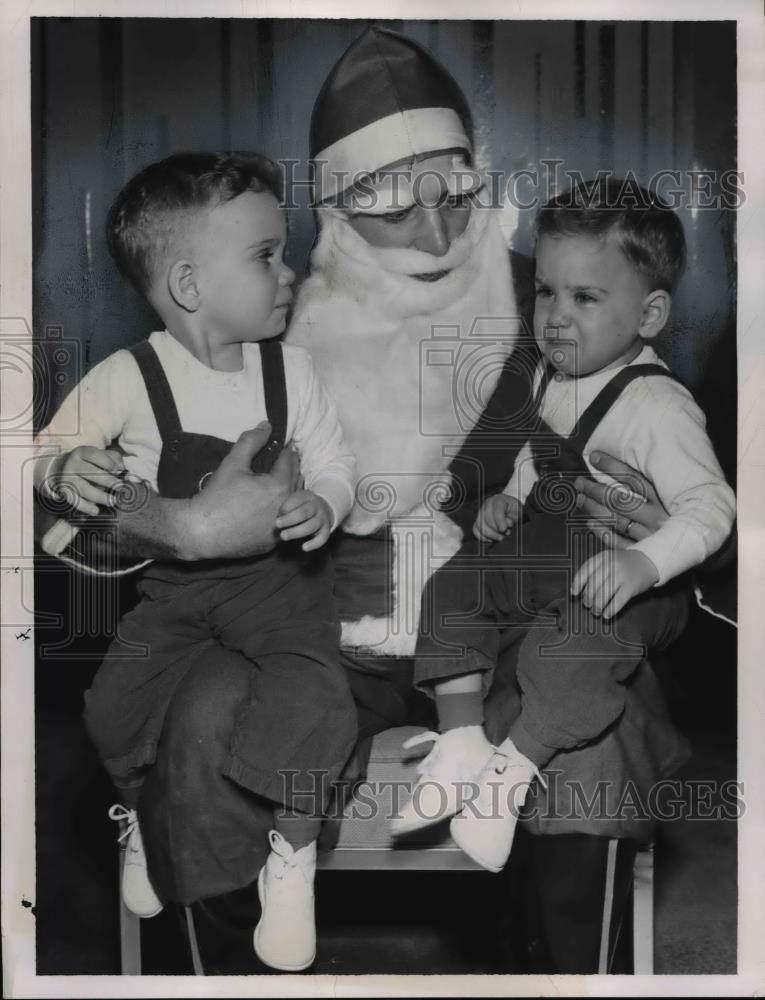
(485, 827)
(137, 892)
(455, 762)
(285, 937)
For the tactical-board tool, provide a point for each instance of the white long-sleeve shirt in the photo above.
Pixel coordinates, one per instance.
(111, 402)
(655, 427)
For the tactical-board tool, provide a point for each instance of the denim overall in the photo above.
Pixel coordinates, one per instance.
(559, 460)
(238, 694)
(186, 460)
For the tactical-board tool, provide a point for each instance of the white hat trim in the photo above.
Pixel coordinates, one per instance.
(388, 141)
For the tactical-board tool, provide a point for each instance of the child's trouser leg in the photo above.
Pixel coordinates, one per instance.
(298, 828)
(455, 682)
(209, 834)
(222, 737)
(572, 666)
(297, 726)
(457, 648)
(124, 710)
(572, 674)
(572, 683)
(204, 834)
(225, 762)
(571, 671)
(128, 793)
(482, 601)
(458, 630)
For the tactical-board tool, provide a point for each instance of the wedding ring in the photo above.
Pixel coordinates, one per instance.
(627, 527)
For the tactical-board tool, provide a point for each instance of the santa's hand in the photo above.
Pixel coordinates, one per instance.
(495, 518)
(233, 516)
(286, 469)
(610, 579)
(623, 512)
(305, 515)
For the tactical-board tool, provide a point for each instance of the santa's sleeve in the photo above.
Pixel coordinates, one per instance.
(484, 465)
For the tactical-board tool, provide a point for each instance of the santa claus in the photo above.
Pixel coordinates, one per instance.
(410, 316)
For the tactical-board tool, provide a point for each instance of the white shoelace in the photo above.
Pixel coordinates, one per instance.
(511, 760)
(283, 850)
(287, 855)
(426, 737)
(121, 814)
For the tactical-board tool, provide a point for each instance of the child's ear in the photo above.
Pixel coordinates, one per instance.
(656, 307)
(182, 285)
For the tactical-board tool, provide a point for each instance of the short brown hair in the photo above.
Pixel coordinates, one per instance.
(649, 233)
(140, 221)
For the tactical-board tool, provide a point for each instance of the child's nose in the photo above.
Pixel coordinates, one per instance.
(558, 315)
(287, 275)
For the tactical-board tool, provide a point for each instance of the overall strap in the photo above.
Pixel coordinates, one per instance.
(606, 398)
(547, 373)
(160, 393)
(274, 390)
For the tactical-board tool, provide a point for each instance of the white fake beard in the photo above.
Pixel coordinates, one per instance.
(409, 364)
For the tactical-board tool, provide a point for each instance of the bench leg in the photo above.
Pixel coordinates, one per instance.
(642, 912)
(608, 905)
(130, 933)
(642, 947)
(196, 959)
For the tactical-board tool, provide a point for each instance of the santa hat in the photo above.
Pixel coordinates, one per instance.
(386, 101)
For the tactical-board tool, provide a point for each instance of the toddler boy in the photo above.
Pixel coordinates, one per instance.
(607, 261)
(202, 238)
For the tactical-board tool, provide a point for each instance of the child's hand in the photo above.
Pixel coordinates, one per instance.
(305, 514)
(612, 578)
(84, 476)
(497, 515)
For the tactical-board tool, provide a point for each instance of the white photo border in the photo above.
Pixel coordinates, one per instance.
(18, 858)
